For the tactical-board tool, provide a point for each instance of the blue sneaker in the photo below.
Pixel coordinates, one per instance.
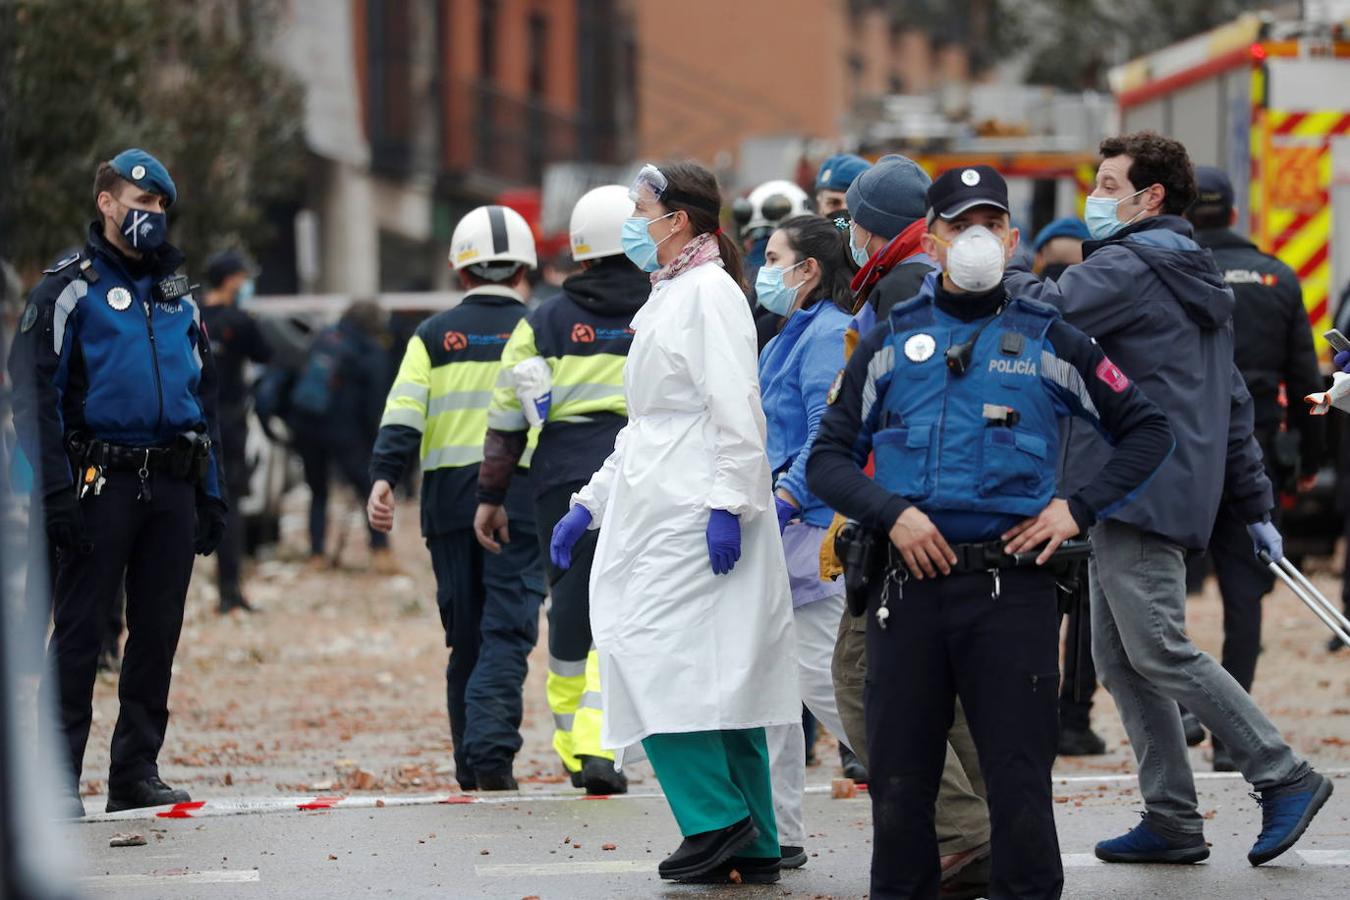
(1142, 844)
(1285, 817)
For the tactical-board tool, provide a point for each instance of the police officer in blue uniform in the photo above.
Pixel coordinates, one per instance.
(959, 395)
(114, 401)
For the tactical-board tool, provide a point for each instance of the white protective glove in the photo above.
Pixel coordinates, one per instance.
(1338, 396)
(534, 389)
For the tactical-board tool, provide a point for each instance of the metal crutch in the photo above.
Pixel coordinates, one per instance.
(1310, 595)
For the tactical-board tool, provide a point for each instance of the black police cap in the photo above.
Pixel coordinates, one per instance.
(958, 190)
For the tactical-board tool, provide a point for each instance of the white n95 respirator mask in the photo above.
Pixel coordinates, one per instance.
(976, 259)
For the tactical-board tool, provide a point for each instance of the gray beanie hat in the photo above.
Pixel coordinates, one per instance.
(890, 196)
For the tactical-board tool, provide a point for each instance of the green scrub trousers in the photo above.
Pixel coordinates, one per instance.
(713, 779)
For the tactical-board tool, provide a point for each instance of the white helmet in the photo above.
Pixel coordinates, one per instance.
(492, 235)
(767, 205)
(597, 221)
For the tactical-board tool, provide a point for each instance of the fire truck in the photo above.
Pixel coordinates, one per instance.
(1268, 102)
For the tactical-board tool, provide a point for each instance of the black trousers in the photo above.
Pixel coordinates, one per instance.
(1244, 583)
(948, 638)
(489, 605)
(1080, 675)
(352, 461)
(150, 542)
(569, 616)
(230, 553)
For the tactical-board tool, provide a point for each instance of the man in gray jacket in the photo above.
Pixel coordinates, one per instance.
(1158, 306)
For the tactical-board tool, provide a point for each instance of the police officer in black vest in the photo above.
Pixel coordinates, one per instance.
(959, 395)
(114, 403)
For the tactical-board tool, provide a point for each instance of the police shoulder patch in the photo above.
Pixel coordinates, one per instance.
(30, 317)
(835, 388)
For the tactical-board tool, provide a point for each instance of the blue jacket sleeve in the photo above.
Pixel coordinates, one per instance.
(820, 364)
(39, 364)
(834, 470)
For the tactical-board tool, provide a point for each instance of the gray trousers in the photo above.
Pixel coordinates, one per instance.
(1148, 663)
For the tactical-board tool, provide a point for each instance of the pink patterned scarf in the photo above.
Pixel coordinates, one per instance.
(703, 248)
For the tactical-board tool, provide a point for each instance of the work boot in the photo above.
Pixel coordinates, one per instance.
(970, 883)
(791, 857)
(141, 794)
(701, 854)
(747, 869)
(1285, 815)
(383, 562)
(578, 780)
(852, 766)
(1145, 844)
(1195, 732)
(496, 781)
(1080, 742)
(601, 778)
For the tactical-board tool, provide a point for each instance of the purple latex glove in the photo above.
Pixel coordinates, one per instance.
(786, 512)
(724, 541)
(1342, 361)
(566, 533)
(1266, 538)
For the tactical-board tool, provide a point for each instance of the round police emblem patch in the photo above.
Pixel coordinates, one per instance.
(119, 298)
(920, 347)
(970, 177)
(137, 172)
(29, 319)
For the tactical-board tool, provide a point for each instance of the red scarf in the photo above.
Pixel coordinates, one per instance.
(902, 247)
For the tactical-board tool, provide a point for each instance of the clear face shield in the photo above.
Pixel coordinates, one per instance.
(649, 185)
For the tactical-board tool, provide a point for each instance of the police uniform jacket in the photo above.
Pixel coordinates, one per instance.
(101, 352)
(1272, 341)
(947, 444)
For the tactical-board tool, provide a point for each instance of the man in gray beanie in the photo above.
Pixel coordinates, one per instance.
(888, 203)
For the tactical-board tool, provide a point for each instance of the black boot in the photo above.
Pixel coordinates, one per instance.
(791, 857)
(853, 767)
(700, 854)
(496, 781)
(601, 778)
(1084, 741)
(1195, 732)
(140, 794)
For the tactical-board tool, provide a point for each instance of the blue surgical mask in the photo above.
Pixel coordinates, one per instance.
(860, 254)
(244, 294)
(1101, 218)
(143, 230)
(637, 242)
(771, 293)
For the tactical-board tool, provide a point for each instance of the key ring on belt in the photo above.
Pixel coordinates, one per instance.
(144, 471)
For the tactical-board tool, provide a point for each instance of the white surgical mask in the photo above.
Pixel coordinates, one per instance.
(860, 254)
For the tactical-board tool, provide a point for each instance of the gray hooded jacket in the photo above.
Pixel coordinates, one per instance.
(1158, 306)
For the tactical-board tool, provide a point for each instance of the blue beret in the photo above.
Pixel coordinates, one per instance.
(1068, 226)
(146, 172)
(838, 172)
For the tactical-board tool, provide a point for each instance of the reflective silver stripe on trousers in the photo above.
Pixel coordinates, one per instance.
(591, 700)
(563, 721)
(565, 668)
(65, 305)
(452, 456)
(458, 400)
(412, 418)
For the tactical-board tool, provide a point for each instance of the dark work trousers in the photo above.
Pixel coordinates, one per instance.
(569, 617)
(151, 544)
(1244, 583)
(489, 605)
(948, 638)
(352, 461)
(230, 553)
(1080, 675)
